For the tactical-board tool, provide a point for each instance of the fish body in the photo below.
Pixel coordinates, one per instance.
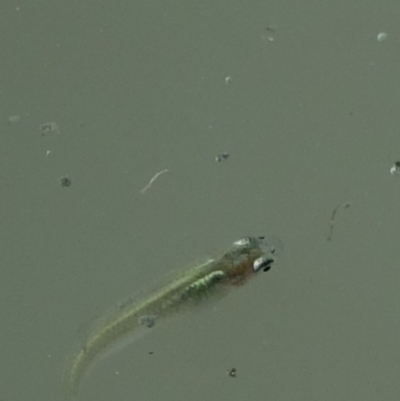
(234, 267)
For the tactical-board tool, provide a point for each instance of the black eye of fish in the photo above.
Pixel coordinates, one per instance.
(262, 264)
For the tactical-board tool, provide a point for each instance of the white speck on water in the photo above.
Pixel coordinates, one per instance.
(382, 36)
(395, 169)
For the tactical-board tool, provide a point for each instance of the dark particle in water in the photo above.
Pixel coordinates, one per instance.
(332, 221)
(65, 182)
(49, 128)
(221, 157)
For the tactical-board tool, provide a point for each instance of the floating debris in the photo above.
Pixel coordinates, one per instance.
(270, 36)
(147, 320)
(332, 221)
(395, 169)
(222, 157)
(382, 36)
(65, 182)
(143, 190)
(231, 372)
(50, 127)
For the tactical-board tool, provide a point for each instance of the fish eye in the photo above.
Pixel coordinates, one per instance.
(262, 264)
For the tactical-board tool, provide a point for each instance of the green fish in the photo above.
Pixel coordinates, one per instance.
(233, 268)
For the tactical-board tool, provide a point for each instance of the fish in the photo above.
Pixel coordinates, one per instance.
(214, 277)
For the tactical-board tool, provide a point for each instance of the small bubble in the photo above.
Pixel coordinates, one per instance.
(382, 36)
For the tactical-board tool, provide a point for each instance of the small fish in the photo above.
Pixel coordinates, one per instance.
(233, 268)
